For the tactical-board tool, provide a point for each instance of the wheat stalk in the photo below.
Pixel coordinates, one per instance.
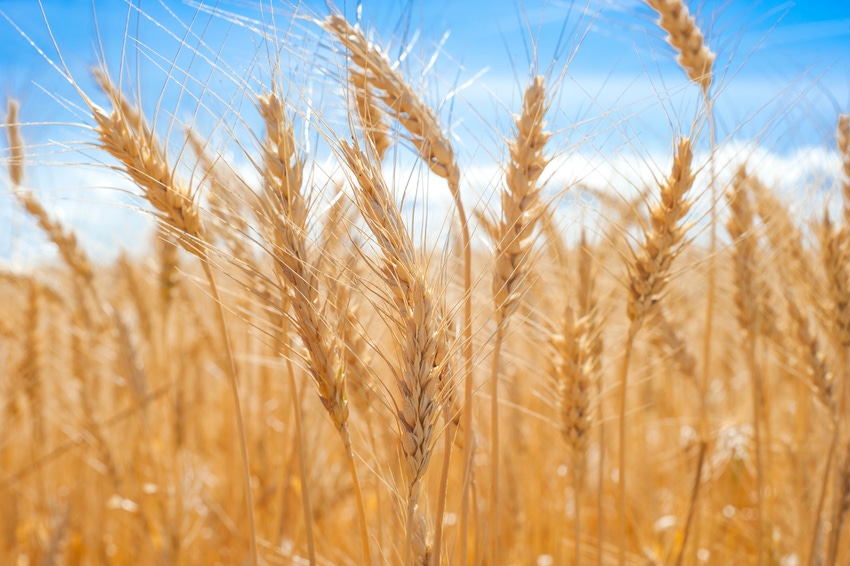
(513, 235)
(65, 240)
(435, 149)
(424, 376)
(647, 274)
(747, 293)
(371, 118)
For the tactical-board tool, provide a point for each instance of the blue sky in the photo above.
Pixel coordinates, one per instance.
(783, 75)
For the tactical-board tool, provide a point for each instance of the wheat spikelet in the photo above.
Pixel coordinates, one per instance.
(683, 34)
(648, 272)
(288, 218)
(835, 256)
(784, 235)
(65, 240)
(513, 235)
(748, 289)
(810, 351)
(570, 373)
(125, 135)
(435, 149)
(651, 263)
(740, 226)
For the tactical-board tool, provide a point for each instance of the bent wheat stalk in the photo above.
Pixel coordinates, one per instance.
(285, 221)
(124, 134)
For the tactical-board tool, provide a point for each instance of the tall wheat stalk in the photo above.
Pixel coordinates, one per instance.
(424, 377)
(373, 74)
(740, 227)
(577, 347)
(697, 60)
(648, 272)
(513, 236)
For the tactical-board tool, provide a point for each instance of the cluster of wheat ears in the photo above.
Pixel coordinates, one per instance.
(291, 376)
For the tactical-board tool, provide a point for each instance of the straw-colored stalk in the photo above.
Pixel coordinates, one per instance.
(648, 272)
(784, 235)
(424, 375)
(835, 255)
(842, 506)
(578, 350)
(125, 135)
(434, 148)
(820, 380)
(513, 235)
(286, 216)
(686, 38)
(697, 60)
(747, 291)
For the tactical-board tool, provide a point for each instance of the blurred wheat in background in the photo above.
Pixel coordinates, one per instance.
(313, 359)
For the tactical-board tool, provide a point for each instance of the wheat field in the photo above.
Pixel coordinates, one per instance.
(308, 363)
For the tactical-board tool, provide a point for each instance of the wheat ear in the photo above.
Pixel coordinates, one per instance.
(65, 240)
(683, 34)
(784, 235)
(424, 376)
(577, 363)
(648, 272)
(369, 113)
(820, 380)
(125, 135)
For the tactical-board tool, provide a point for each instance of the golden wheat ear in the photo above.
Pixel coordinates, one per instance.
(685, 36)
(125, 135)
(69, 249)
